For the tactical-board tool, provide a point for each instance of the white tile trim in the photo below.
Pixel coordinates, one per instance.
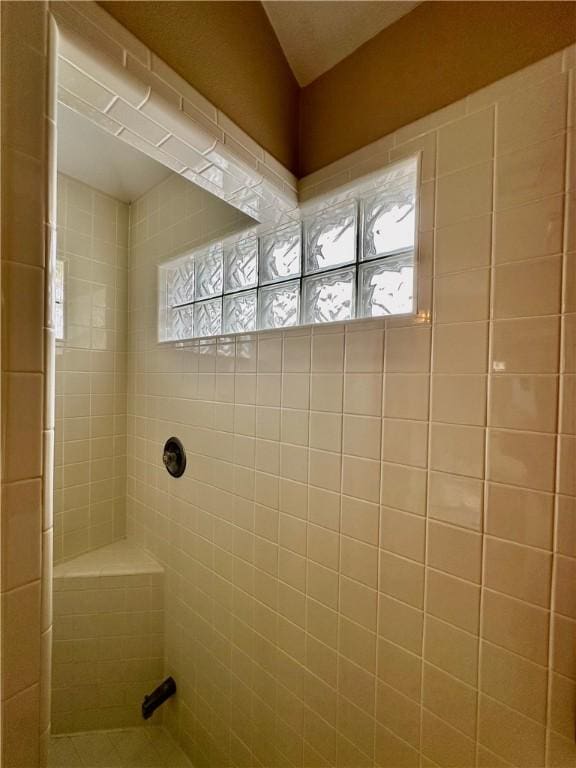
(103, 49)
(152, 104)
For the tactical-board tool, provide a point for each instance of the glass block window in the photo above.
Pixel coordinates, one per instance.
(330, 238)
(281, 254)
(240, 312)
(208, 318)
(180, 283)
(208, 272)
(180, 322)
(389, 219)
(346, 259)
(386, 286)
(241, 264)
(279, 305)
(329, 298)
(59, 300)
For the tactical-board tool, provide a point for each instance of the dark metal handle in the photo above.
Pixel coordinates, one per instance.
(174, 457)
(158, 697)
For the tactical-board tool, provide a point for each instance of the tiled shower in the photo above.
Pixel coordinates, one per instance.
(369, 560)
(91, 374)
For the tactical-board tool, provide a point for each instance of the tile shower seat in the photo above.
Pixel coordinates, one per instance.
(108, 638)
(118, 559)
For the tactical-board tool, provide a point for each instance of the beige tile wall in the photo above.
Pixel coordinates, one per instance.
(236, 678)
(27, 232)
(90, 472)
(371, 557)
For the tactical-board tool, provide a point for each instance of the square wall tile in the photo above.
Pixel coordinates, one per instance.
(529, 231)
(462, 297)
(463, 246)
(528, 288)
(466, 142)
(532, 114)
(464, 194)
(530, 173)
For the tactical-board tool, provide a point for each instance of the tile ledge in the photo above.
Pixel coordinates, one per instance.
(118, 559)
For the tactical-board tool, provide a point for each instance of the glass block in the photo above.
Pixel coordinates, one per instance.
(59, 320)
(59, 282)
(329, 298)
(389, 221)
(387, 287)
(180, 283)
(208, 272)
(241, 265)
(279, 305)
(179, 323)
(240, 312)
(330, 238)
(208, 318)
(280, 254)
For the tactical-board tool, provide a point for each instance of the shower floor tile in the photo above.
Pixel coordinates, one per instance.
(130, 748)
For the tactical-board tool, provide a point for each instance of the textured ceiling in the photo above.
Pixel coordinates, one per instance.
(317, 35)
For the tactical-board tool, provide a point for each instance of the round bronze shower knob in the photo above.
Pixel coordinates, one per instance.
(174, 457)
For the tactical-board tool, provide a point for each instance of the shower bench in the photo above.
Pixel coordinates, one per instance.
(108, 648)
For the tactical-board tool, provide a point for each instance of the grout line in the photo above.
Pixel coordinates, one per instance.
(428, 457)
(560, 397)
(486, 430)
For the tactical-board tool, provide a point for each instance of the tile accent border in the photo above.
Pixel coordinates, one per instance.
(109, 77)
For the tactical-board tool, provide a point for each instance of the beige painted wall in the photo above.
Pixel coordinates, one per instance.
(370, 559)
(90, 450)
(433, 56)
(229, 52)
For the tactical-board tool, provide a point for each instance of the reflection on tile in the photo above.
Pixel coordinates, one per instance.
(524, 402)
(521, 458)
(456, 500)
